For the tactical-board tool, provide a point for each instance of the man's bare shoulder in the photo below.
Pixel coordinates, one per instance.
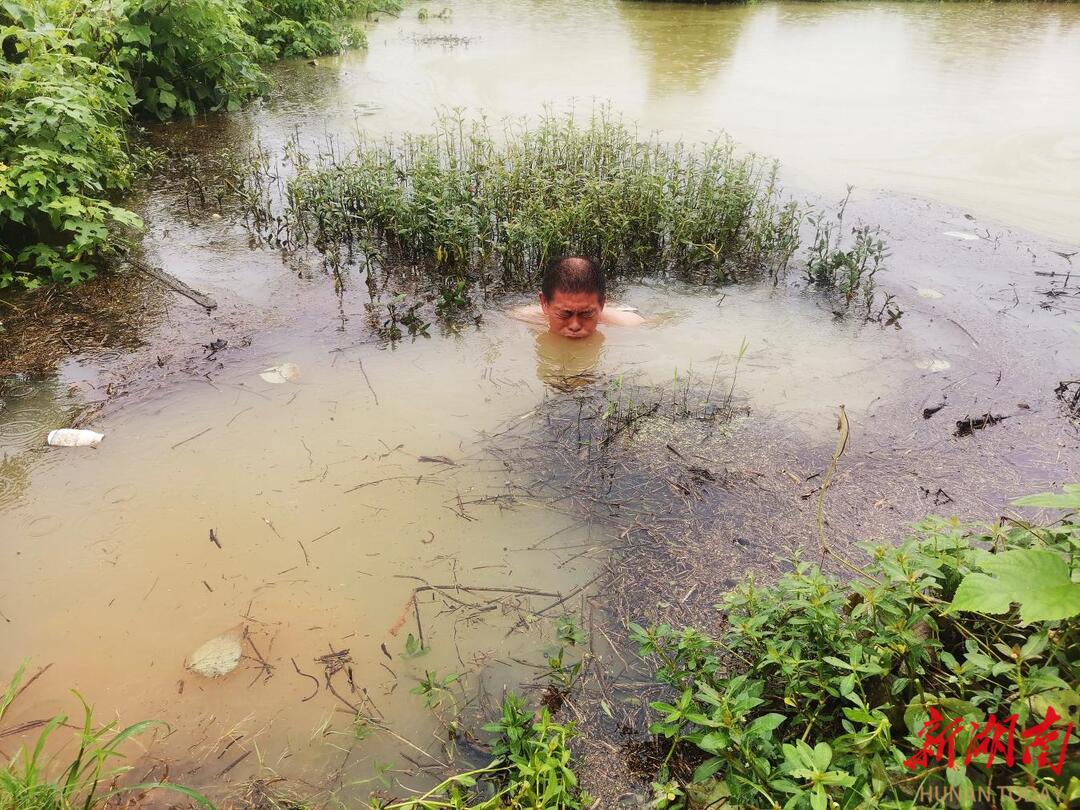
(529, 313)
(617, 315)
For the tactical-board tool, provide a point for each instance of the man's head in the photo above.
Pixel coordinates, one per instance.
(572, 295)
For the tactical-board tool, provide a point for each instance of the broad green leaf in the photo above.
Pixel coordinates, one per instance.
(822, 755)
(1068, 498)
(707, 768)
(766, 724)
(1039, 581)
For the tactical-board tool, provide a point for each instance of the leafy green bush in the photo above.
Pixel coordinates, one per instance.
(184, 57)
(307, 28)
(820, 691)
(466, 199)
(63, 152)
(73, 73)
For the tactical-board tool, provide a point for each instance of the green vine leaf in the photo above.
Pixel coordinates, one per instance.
(1039, 581)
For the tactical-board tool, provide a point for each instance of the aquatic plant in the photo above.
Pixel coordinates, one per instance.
(850, 271)
(531, 767)
(36, 780)
(497, 205)
(823, 692)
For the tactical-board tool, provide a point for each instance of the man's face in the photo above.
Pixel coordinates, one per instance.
(572, 314)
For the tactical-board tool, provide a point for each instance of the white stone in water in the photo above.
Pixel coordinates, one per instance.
(933, 364)
(961, 235)
(286, 372)
(217, 657)
(927, 292)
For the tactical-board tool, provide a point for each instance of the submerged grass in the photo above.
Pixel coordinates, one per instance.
(471, 201)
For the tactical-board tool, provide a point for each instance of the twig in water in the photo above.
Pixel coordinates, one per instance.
(312, 677)
(372, 390)
(191, 438)
(325, 534)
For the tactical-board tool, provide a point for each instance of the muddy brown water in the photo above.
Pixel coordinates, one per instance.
(328, 514)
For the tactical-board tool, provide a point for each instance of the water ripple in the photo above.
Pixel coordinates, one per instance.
(25, 427)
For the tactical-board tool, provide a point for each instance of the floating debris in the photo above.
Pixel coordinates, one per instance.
(286, 372)
(930, 410)
(961, 235)
(68, 437)
(217, 657)
(927, 292)
(968, 425)
(1068, 391)
(933, 364)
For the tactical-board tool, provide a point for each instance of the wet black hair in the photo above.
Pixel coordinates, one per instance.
(573, 274)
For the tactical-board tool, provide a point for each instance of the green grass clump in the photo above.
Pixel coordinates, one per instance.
(819, 692)
(468, 200)
(81, 774)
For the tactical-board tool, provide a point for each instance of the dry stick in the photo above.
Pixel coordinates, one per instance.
(190, 438)
(569, 596)
(372, 390)
(419, 628)
(244, 410)
(24, 727)
(417, 478)
(174, 284)
(312, 677)
(427, 586)
(325, 534)
(235, 762)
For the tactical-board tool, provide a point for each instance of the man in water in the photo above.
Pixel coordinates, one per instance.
(572, 300)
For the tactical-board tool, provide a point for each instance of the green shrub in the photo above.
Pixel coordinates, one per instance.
(35, 779)
(185, 57)
(820, 690)
(63, 151)
(73, 73)
(468, 200)
(307, 28)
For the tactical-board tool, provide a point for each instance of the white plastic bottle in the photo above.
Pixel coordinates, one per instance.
(68, 437)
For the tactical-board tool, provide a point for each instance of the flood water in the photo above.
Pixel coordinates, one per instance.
(335, 494)
(328, 516)
(975, 105)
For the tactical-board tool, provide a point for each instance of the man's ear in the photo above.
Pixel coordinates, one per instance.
(543, 302)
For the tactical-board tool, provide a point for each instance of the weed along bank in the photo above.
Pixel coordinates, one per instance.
(307, 499)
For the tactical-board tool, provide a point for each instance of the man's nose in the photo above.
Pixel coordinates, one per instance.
(575, 325)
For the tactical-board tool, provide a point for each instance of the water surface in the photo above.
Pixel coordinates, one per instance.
(975, 105)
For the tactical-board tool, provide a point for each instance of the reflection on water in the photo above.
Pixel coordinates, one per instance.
(566, 364)
(971, 104)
